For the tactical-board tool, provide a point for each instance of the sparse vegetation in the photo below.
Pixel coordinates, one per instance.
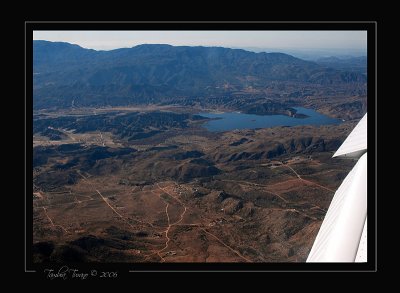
(183, 194)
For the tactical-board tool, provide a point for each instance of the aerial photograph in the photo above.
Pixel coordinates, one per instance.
(199, 146)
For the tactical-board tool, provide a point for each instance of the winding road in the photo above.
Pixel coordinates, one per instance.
(193, 225)
(305, 180)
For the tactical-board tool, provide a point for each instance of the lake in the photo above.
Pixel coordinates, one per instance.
(235, 120)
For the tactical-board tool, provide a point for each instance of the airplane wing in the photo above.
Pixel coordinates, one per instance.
(343, 233)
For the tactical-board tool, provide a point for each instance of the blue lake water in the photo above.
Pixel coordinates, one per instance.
(234, 120)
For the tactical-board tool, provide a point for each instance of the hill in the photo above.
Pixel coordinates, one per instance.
(67, 75)
(354, 64)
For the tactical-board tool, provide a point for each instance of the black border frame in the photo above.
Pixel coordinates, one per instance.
(126, 269)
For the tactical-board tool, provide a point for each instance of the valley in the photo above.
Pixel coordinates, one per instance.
(176, 154)
(152, 185)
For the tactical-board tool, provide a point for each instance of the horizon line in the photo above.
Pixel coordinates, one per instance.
(245, 48)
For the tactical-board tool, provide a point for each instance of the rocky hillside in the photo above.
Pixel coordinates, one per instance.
(67, 75)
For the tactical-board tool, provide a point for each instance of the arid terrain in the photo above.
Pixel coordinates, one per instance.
(150, 184)
(125, 169)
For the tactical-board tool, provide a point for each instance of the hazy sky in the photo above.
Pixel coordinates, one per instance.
(313, 40)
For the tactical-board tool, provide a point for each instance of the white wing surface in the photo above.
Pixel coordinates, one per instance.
(343, 233)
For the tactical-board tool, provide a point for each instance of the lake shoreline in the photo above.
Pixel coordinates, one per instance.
(227, 121)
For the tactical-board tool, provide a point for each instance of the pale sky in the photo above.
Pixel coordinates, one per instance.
(302, 40)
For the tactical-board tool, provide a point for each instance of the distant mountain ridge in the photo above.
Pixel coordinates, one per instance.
(66, 74)
(355, 64)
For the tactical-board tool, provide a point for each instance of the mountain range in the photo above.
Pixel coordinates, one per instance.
(355, 64)
(67, 75)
